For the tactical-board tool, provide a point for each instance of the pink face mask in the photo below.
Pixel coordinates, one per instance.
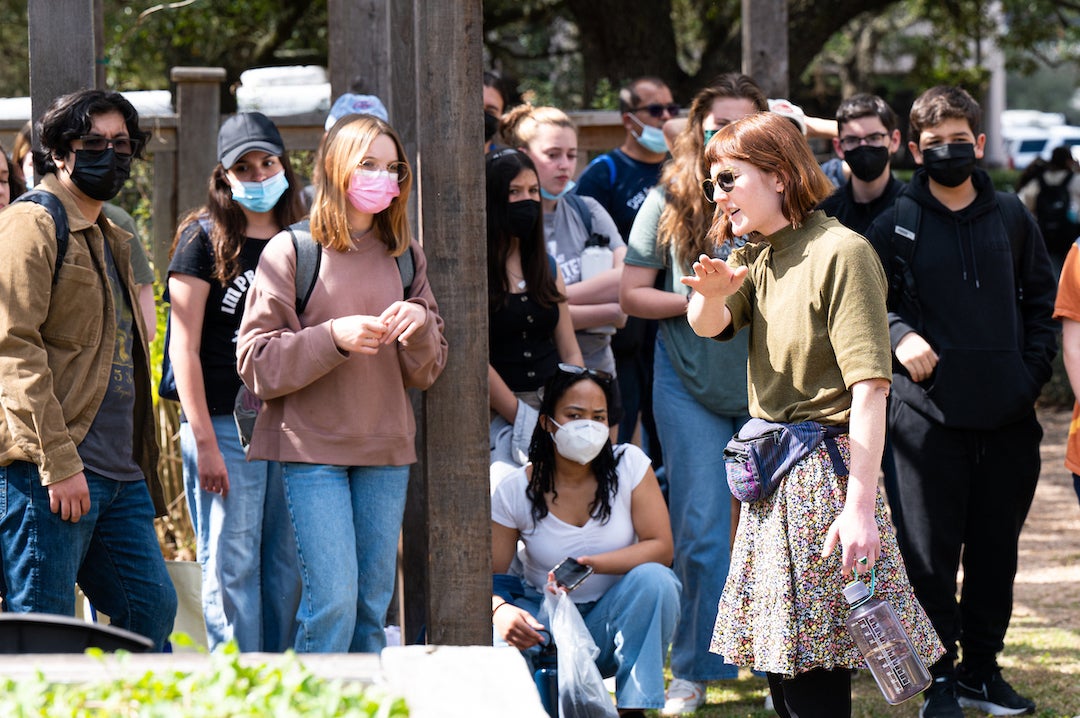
(371, 192)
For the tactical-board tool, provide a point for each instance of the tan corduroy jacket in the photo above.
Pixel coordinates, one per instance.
(57, 341)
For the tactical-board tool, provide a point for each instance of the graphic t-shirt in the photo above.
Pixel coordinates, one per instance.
(108, 448)
(224, 308)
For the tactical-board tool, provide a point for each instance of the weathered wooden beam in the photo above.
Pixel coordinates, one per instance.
(198, 109)
(765, 44)
(360, 47)
(450, 168)
(61, 49)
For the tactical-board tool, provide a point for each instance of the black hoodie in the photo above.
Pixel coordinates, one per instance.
(994, 343)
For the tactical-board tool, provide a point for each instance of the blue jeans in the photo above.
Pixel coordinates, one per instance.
(112, 552)
(632, 625)
(245, 546)
(693, 438)
(347, 521)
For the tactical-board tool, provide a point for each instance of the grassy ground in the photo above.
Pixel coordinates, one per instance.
(1042, 649)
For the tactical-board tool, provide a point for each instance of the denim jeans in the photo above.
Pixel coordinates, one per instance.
(245, 546)
(693, 438)
(112, 552)
(632, 624)
(347, 521)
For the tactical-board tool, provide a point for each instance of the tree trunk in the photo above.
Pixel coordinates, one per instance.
(619, 44)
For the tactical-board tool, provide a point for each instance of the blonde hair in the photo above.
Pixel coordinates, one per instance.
(520, 125)
(352, 135)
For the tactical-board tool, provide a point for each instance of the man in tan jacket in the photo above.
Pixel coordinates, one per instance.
(78, 453)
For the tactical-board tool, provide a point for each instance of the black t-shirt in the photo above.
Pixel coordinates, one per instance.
(109, 446)
(224, 308)
(858, 216)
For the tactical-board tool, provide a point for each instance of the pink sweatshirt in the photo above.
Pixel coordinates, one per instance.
(324, 405)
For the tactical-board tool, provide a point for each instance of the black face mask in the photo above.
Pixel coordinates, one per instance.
(100, 175)
(491, 126)
(522, 218)
(866, 162)
(950, 165)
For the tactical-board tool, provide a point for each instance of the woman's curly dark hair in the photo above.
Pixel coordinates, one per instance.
(542, 453)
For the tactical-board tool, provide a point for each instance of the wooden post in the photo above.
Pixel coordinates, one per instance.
(99, 44)
(198, 112)
(61, 50)
(765, 45)
(360, 47)
(450, 169)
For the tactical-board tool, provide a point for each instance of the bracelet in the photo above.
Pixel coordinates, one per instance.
(504, 603)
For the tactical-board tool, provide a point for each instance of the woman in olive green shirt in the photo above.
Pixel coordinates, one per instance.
(813, 296)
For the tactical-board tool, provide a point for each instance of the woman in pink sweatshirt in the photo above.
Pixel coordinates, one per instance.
(333, 379)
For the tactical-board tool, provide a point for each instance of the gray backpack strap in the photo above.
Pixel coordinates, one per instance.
(308, 258)
(407, 270)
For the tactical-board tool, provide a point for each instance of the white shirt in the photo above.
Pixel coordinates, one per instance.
(551, 540)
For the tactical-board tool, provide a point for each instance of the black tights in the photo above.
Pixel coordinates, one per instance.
(815, 694)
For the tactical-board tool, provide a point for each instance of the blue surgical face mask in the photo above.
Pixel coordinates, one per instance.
(260, 196)
(709, 135)
(651, 138)
(569, 187)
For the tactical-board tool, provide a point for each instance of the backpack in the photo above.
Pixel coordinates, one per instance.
(1052, 213)
(308, 259)
(908, 214)
(582, 209)
(55, 208)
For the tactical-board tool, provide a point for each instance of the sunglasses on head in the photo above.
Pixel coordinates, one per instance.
(725, 180)
(575, 370)
(657, 109)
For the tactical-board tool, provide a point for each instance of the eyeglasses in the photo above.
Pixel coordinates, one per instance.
(657, 109)
(575, 370)
(121, 145)
(400, 169)
(874, 139)
(725, 180)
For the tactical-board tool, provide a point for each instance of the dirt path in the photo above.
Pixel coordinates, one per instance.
(1048, 581)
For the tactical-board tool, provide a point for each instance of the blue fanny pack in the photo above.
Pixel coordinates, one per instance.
(761, 454)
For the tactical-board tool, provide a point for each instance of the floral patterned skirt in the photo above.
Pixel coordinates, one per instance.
(782, 609)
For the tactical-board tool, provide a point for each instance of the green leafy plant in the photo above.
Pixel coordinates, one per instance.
(282, 688)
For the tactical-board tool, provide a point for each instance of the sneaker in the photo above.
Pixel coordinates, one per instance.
(993, 695)
(940, 700)
(683, 697)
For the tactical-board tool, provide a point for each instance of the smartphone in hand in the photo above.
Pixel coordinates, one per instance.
(569, 574)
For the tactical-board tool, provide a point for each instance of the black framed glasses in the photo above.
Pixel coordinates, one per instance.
(657, 109)
(725, 180)
(874, 139)
(575, 370)
(121, 145)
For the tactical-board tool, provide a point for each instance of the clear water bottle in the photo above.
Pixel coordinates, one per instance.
(885, 645)
(546, 676)
(597, 257)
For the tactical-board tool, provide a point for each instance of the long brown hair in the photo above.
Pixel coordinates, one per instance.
(228, 225)
(351, 136)
(684, 223)
(771, 143)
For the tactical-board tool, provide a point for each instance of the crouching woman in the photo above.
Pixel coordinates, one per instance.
(580, 497)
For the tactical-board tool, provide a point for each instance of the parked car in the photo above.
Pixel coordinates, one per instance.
(1024, 144)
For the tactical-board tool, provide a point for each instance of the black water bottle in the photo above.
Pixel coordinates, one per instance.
(546, 676)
